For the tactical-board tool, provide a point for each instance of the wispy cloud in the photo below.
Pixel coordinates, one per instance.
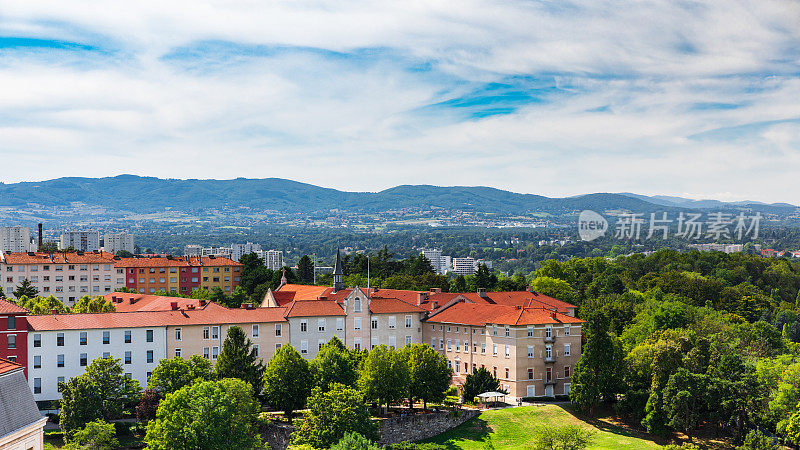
(556, 98)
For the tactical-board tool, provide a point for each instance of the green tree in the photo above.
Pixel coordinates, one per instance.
(564, 437)
(238, 359)
(484, 278)
(25, 289)
(287, 381)
(97, 435)
(305, 270)
(596, 374)
(49, 247)
(478, 382)
(80, 404)
(459, 284)
(683, 397)
(87, 304)
(384, 377)
(334, 364)
(355, 441)
(333, 413)
(756, 440)
(214, 415)
(172, 374)
(428, 372)
(556, 288)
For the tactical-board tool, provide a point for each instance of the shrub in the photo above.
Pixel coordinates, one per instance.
(566, 437)
(354, 441)
(99, 435)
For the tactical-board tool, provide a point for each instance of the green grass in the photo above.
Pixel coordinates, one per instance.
(516, 427)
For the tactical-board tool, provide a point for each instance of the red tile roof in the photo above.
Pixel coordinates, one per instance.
(58, 258)
(214, 315)
(533, 316)
(477, 314)
(176, 261)
(8, 366)
(380, 305)
(300, 292)
(127, 302)
(6, 307)
(309, 308)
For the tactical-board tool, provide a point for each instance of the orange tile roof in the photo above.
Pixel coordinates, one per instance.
(8, 366)
(58, 258)
(176, 261)
(6, 307)
(127, 302)
(301, 291)
(533, 316)
(310, 308)
(380, 305)
(215, 315)
(478, 314)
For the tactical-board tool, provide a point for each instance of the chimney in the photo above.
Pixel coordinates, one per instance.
(421, 297)
(173, 305)
(553, 315)
(40, 237)
(529, 288)
(482, 292)
(436, 290)
(435, 305)
(202, 302)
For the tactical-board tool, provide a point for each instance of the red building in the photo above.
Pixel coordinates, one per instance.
(14, 333)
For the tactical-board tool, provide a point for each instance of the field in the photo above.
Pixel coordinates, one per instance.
(516, 427)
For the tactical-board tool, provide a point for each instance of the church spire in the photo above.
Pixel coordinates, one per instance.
(338, 273)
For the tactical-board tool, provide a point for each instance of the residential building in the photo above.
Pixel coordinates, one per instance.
(312, 323)
(13, 333)
(21, 424)
(16, 239)
(224, 252)
(115, 242)
(238, 250)
(464, 266)
(86, 241)
(193, 250)
(180, 274)
(273, 259)
(435, 257)
(66, 275)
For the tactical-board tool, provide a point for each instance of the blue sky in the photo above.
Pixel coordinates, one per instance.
(554, 98)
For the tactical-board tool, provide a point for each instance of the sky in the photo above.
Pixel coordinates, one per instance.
(559, 98)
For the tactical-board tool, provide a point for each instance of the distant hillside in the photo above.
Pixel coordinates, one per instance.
(148, 194)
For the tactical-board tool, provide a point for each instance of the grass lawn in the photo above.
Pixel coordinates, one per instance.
(516, 427)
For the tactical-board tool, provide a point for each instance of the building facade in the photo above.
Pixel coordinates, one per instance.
(238, 250)
(16, 239)
(85, 241)
(21, 424)
(273, 259)
(13, 333)
(115, 242)
(182, 275)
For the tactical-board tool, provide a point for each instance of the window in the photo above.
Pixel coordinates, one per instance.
(408, 340)
(566, 350)
(458, 344)
(474, 347)
(278, 330)
(494, 371)
(508, 331)
(566, 329)
(375, 324)
(106, 337)
(339, 324)
(320, 344)
(548, 352)
(392, 322)
(433, 342)
(277, 346)
(84, 360)
(206, 333)
(60, 360)
(507, 375)
(106, 355)
(149, 334)
(303, 325)
(466, 346)
(207, 352)
(392, 341)
(214, 352)
(128, 375)
(37, 385)
(320, 325)
(357, 305)
(508, 351)
(60, 339)
(178, 335)
(84, 338)
(149, 356)
(357, 323)
(12, 323)
(255, 349)
(494, 349)
(530, 351)
(548, 331)
(128, 337)
(494, 330)
(567, 372)
(458, 366)
(441, 344)
(483, 347)
(409, 322)
(214, 332)
(530, 331)
(177, 352)
(255, 331)
(530, 374)
(128, 357)
(12, 341)
(37, 362)
(37, 340)
(357, 344)
(304, 347)
(449, 344)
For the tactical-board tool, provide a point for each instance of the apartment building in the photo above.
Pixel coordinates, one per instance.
(13, 333)
(180, 274)
(313, 323)
(68, 276)
(16, 239)
(85, 241)
(21, 424)
(273, 259)
(435, 257)
(115, 242)
(238, 250)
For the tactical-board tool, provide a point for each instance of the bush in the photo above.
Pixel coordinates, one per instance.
(98, 434)
(756, 440)
(567, 437)
(354, 441)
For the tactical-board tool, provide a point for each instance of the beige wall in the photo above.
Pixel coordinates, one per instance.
(384, 334)
(193, 343)
(28, 438)
(312, 336)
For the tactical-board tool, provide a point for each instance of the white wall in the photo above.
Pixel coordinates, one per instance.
(312, 335)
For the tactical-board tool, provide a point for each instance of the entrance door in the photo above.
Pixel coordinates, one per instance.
(531, 391)
(548, 390)
(567, 388)
(549, 375)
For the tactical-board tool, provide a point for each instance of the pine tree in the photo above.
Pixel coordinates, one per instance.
(238, 359)
(305, 270)
(25, 288)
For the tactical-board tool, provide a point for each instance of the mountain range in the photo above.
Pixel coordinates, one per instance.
(148, 194)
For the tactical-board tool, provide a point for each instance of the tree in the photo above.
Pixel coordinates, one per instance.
(148, 405)
(101, 392)
(209, 415)
(334, 364)
(287, 381)
(49, 247)
(460, 284)
(428, 372)
(124, 254)
(355, 441)
(385, 376)
(172, 374)
(478, 382)
(238, 359)
(87, 304)
(756, 440)
(683, 398)
(98, 434)
(554, 287)
(484, 278)
(334, 412)
(25, 289)
(596, 373)
(565, 437)
(305, 270)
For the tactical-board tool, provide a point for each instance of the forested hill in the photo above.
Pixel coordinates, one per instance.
(148, 194)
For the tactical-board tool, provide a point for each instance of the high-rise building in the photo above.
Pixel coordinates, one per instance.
(238, 250)
(16, 239)
(114, 242)
(193, 250)
(87, 241)
(464, 266)
(435, 257)
(273, 259)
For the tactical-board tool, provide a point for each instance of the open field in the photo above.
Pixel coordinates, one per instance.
(514, 428)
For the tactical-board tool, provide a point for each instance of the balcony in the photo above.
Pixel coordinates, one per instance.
(549, 382)
(550, 359)
(550, 338)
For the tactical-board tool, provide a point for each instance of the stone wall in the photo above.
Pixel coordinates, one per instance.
(277, 436)
(422, 426)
